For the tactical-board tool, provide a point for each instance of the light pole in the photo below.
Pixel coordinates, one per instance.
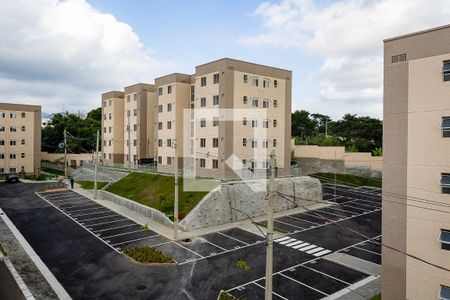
(96, 165)
(175, 206)
(269, 242)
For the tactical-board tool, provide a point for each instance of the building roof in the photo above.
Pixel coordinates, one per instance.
(417, 33)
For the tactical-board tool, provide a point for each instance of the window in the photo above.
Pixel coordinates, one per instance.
(254, 123)
(266, 123)
(265, 103)
(244, 142)
(169, 160)
(13, 115)
(110, 129)
(215, 142)
(12, 156)
(254, 143)
(159, 142)
(12, 142)
(110, 116)
(12, 170)
(160, 108)
(202, 162)
(202, 143)
(203, 81)
(255, 102)
(169, 106)
(160, 126)
(128, 128)
(169, 143)
(444, 238)
(160, 91)
(215, 164)
(2, 156)
(444, 293)
(265, 144)
(169, 89)
(252, 165)
(275, 103)
(104, 117)
(245, 99)
(445, 183)
(445, 125)
(244, 121)
(275, 83)
(245, 78)
(104, 129)
(266, 83)
(446, 70)
(215, 121)
(2, 128)
(109, 143)
(12, 129)
(21, 142)
(255, 81)
(134, 127)
(2, 170)
(159, 159)
(275, 123)
(203, 102)
(104, 103)
(169, 124)
(216, 100)
(2, 115)
(134, 143)
(110, 102)
(2, 142)
(244, 162)
(265, 164)
(216, 78)
(135, 96)
(274, 142)
(22, 155)
(202, 122)
(135, 112)
(109, 156)
(23, 114)
(192, 92)
(128, 98)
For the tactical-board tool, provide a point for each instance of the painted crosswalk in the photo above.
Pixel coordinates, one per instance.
(302, 246)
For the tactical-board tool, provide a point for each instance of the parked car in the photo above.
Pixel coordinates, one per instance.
(12, 178)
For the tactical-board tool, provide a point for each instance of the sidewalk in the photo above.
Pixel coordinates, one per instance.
(168, 231)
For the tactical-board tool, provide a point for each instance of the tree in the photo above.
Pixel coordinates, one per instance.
(322, 121)
(302, 125)
(81, 132)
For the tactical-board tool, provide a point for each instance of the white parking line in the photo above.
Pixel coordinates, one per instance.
(289, 224)
(217, 246)
(257, 284)
(356, 247)
(109, 222)
(299, 218)
(307, 247)
(109, 216)
(303, 284)
(87, 214)
(232, 237)
(85, 209)
(314, 250)
(123, 226)
(120, 234)
(321, 253)
(301, 246)
(294, 243)
(135, 240)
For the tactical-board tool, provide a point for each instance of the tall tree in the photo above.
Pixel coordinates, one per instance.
(303, 125)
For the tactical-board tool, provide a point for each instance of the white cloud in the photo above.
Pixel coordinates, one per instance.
(65, 54)
(348, 35)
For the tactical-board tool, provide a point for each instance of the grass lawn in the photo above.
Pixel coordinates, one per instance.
(225, 296)
(376, 297)
(351, 180)
(53, 171)
(156, 191)
(89, 185)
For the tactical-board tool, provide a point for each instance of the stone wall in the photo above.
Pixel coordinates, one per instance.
(233, 202)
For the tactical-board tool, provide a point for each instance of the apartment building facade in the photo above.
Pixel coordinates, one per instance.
(113, 129)
(416, 166)
(238, 110)
(20, 139)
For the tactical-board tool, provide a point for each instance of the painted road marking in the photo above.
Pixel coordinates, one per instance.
(307, 247)
(294, 243)
(287, 241)
(300, 246)
(321, 253)
(314, 250)
(281, 239)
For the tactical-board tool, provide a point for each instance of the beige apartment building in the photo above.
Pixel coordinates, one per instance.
(113, 127)
(20, 139)
(416, 166)
(234, 110)
(128, 124)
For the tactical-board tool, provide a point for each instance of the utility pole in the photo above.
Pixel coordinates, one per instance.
(269, 236)
(175, 206)
(96, 165)
(326, 128)
(65, 153)
(129, 141)
(335, 171)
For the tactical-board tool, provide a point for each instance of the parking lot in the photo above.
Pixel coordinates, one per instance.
(110, 227)
(351, 226)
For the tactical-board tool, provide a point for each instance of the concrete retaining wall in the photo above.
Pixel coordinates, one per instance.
(221, 205)
(149, 212)
(12, 286)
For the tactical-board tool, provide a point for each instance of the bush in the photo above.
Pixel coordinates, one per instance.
(147, 255)
(226, 296)
(2, 250)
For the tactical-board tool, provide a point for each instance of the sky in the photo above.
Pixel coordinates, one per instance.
(64, 54)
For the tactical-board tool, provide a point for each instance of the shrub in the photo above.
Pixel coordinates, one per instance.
(147, 255)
